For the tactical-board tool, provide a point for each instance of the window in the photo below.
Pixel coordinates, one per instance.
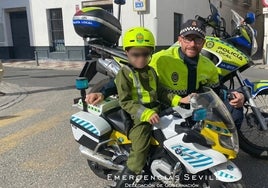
(56, 30)
(177, 25)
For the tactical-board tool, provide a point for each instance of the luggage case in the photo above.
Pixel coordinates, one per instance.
(97, 23)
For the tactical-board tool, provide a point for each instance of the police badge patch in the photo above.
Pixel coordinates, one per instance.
(174, 77)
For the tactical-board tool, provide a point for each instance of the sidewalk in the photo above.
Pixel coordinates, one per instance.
(258, 64)
(74, 65)
(45, 64)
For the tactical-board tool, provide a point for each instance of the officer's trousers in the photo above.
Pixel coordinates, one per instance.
(140, 136)
(237, 114)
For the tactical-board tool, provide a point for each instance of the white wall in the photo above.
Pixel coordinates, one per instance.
(165, 14)
(160, 16)
(40, 22)
(130, 18)
(37, 20)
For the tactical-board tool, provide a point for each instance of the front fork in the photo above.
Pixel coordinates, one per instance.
(251, 101)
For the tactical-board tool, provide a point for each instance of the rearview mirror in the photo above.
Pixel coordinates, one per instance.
(215, 18)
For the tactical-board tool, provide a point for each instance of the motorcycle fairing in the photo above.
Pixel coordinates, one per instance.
(226, 172)
(231, 58)
(86, 126)
(256, 87)
(194, 157)
(213, 131)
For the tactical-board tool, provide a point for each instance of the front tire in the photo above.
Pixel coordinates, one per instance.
(252, 139)
(99, 170)
(238, 184)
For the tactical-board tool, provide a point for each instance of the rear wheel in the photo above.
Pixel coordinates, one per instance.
(252, 139)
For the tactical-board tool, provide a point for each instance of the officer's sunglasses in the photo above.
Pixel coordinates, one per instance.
(140, 54)
(197, 40)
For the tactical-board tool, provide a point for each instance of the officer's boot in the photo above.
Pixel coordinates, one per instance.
(126, 177)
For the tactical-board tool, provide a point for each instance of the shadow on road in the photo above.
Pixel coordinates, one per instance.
(7, 117)
(42, 90)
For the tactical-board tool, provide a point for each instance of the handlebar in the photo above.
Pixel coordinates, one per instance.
(166, 112)
(217, 29)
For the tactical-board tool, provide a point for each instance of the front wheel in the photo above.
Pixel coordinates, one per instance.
(100, 171)
(238, 184)
(252, 139)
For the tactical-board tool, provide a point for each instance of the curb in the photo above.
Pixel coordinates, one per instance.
(13, 95)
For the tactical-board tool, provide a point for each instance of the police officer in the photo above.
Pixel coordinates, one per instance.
(182, 70)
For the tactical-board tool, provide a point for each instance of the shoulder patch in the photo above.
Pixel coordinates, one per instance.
(175, 77)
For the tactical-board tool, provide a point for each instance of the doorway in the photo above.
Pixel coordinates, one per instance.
(20, 36)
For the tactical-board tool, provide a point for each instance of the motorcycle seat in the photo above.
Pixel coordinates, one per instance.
(114, 117)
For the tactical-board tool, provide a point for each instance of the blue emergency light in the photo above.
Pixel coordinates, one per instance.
(81, 83)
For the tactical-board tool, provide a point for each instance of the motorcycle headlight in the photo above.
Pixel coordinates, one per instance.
(230, 142)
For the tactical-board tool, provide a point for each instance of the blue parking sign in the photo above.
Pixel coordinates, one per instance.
(139, 5)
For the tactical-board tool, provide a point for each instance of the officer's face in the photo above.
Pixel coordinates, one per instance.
(191, 45)
(139, 57)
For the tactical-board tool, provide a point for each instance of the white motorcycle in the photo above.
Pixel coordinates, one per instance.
(190, 147)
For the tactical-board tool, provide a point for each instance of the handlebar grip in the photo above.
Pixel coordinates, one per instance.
(166, 112)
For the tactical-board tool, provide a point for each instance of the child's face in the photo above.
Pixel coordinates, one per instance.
(139, 57)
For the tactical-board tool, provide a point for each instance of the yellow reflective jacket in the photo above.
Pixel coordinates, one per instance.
(139, 91)
(173, 71)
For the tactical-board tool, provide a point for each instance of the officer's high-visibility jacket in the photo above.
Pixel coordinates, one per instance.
(139, 92)
(177, 76)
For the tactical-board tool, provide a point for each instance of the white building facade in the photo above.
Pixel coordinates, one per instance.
(45, 27)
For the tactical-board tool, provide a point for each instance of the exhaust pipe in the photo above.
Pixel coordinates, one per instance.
(99, 158)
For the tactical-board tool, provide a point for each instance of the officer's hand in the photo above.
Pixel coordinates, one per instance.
(154, 119)
(238, 100)
(186, 100)
(94, 98)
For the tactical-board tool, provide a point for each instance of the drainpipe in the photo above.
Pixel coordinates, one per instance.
(265, 41)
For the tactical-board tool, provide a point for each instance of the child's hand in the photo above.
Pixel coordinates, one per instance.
(154, 119)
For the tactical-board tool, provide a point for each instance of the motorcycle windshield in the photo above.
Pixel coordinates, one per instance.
(237, 21)
(216, 110)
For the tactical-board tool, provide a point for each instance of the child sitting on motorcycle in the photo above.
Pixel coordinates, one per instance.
(139, 91)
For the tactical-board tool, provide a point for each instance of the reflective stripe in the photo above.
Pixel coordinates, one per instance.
(138, 85)
(140, 112)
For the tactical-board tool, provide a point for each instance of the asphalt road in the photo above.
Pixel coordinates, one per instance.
(37, 148)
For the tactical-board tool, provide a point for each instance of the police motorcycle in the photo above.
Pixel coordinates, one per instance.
(188, 146)
(232, 54)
